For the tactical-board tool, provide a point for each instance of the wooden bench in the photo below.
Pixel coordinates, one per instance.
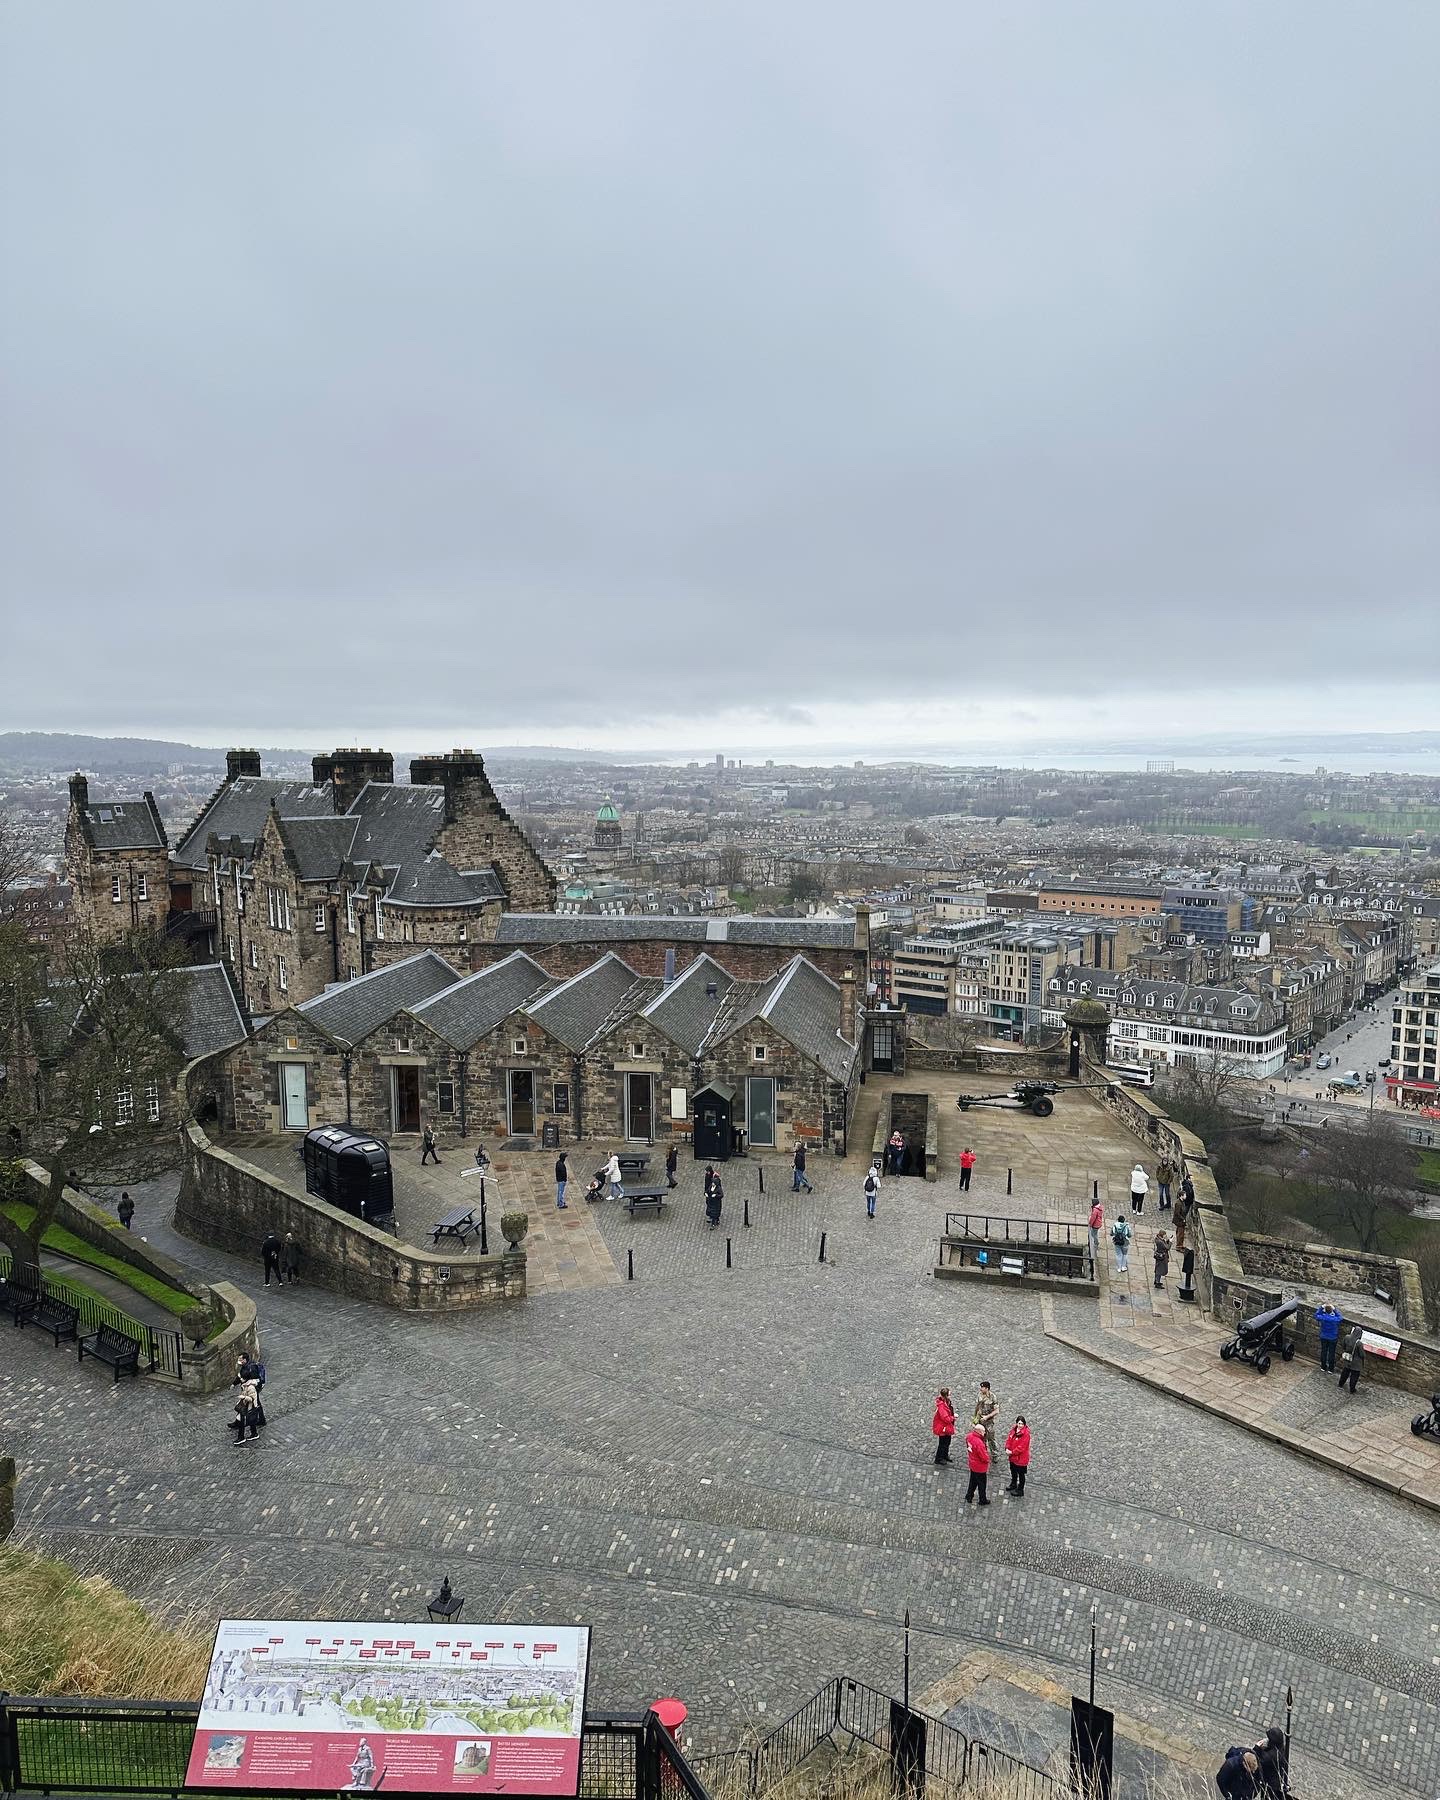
(645, 1197)
(19, 1302)
(114, 1347)
(634, 1164)
(458, 1224)
(54, 1316)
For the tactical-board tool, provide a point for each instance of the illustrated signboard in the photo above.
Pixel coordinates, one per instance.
(305, 1706)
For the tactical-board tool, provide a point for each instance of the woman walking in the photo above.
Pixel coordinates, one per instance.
(872, 1188)
(1017, 1448)
(714, 1195)
(943, 1425)
(1139, 1188)
(1120, 1236)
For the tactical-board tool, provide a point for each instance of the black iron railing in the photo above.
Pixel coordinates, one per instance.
(142, 1747)
(159, 1349)
(995, 1228)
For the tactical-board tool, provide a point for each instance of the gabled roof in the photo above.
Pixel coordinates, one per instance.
(213, 1019)
(585, 928)
(319, 846)
(684, 1011)
(592, 1002)
(124, 824)
(432, 882)
(804, 1008)
(352, 1009)
(474, 1006)
(239, 810)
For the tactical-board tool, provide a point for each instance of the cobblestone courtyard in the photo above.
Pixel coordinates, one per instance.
(728, 1472)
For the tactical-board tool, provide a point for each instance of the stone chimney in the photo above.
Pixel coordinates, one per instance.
(241, 762)
(452, 772)
(79, 791)
(349, 770)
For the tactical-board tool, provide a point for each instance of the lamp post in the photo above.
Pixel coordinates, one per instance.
(445, 1605)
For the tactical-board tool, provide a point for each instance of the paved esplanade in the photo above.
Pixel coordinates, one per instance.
(729, 1474)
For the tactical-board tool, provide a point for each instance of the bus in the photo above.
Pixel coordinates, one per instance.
(1134, 1074)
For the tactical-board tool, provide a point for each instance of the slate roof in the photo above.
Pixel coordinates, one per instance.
(432, 882)
(684, 1011)
(581, 928)
(1221, 1008)
(124, 824)
(213, 1019)
(239, 810)
(474, 1006)
(805, 1009)
(352, 1009)
(319, 846)
(592, 1002)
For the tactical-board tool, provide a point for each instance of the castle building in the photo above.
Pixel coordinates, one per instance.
(296, 884)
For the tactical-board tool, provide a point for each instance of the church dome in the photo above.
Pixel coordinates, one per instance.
(608, 814)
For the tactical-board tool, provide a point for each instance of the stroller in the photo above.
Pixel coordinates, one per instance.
(1260, 1336)
(1428, 1424)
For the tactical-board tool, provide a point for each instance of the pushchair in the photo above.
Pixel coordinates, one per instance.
(1428, 1424)
(1261, 1336)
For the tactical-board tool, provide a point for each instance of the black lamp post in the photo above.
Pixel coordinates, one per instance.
(444, 1606)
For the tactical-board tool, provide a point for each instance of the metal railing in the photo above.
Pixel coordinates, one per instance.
(142, 1747)
(159, 1349)
(990, 1771)
(994, 1228)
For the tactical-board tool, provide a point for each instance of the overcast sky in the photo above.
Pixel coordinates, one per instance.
(756, 373)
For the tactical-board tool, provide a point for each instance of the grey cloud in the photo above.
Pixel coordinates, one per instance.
(521, 359)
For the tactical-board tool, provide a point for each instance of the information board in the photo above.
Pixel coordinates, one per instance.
(307, 1706)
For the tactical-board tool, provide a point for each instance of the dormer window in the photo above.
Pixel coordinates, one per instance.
(758, 1052)
(119, 812)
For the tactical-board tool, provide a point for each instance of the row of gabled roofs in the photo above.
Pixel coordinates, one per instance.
(697, 1010)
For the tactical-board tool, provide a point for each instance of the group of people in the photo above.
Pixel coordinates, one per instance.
(1122, 1232)
(1258, 1771)
(1349, 1353)
(982, 1452)
(249, 1406)
(281, 1257)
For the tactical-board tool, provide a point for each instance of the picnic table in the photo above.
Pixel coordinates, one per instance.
(652, 1196)
(633, 1162)
(458, 1224)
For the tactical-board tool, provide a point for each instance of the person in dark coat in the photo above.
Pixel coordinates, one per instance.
(714, 1195)
(126, 1210)
(672, 1163)
(270, 1255)
(290, 1258)
(800, 1179)
(1273, 1755)
(978, 1456)
(1237, 1776)
(1162, 1258)
(1352, 1355)
(427, 1142)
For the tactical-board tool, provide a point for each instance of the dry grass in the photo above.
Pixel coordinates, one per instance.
(67, 1631)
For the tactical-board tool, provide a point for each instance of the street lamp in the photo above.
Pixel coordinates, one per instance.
(444, 1606)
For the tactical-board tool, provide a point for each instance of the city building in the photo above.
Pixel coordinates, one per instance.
(1413, 1079)
(1173, 1023)
(608, 832)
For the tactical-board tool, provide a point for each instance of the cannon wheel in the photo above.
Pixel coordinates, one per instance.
(1421, 1425)
(1226, 1352)
(1289, 1349)
(1043, 1107)
(1262, 1363)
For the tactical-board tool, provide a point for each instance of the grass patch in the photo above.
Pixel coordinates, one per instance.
(65, 1243)
(1428, 1166)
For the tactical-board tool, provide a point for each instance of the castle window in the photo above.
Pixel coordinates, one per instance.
(142, 888)
(254, 955)
(637, 1050)
(119, 812)
(320, 918)
(152, 1102)
(462, 934)
(758, 1052)
(115, 889)
(125, 1106)
(519, 1046)
(280, 974)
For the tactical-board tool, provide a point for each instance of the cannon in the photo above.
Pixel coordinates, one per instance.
(1025, 1096)
(1259, 1337)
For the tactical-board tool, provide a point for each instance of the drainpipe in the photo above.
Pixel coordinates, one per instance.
(345, 1060)
(463, 1058)
(335, 942)
(579, 1097)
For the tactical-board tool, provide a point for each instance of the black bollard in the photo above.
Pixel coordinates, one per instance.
(747, 1212)
(760, 1171)
(728, 1263)
(822, 1246)
(1094, 1190)
(629, 1265)
(1009, 1180)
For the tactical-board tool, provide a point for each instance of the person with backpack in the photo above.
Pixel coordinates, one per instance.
(249, 1407)
(1120, 1236)
(872, 1188)
(1237, 1778)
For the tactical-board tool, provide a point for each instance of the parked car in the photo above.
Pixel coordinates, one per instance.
(1324, 1060)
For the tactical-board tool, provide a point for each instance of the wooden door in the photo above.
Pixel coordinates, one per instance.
(407, 1100)
(522, 1103)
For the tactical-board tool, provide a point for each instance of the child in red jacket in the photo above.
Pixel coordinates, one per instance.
(1017, 1448)
(979, 1465)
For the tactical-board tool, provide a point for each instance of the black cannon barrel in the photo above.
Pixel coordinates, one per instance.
(1264, 1321)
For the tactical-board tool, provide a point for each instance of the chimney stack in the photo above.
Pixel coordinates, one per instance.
(79, 791)
(241, 762)
(350, 770)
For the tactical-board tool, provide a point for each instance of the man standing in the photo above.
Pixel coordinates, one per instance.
(672, 1162)
(126, 1210)
(943, 1425)
(427, 1143)
(979, 1459)
(270, 1256)
(872, 1188)
(290, 1259)
(987, 1409)
(1328, 1321)
(1097, 1219)
(1182, 1216)
(801, 1179)
(562, 1175)
(1164, 1175)
(967, 1163)
(895, 1149)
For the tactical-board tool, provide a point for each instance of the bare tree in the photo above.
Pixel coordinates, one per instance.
(90, 1063)
(1361, 1172)
(730, 865)
(1204, 1097)
(19, 852)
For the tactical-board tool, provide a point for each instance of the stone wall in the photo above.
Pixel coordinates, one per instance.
(478, 831)
(249, 1076)
(608, 1063)
(225, 1201)
(1331, 1266)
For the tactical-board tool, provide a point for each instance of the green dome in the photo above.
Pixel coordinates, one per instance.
(608, 815)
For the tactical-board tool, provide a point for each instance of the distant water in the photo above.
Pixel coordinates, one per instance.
(1420, 762)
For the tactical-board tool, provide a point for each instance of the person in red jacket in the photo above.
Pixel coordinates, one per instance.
(1017, 1448)
(943, 1425)
(979, 1465)
(967, 1164)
